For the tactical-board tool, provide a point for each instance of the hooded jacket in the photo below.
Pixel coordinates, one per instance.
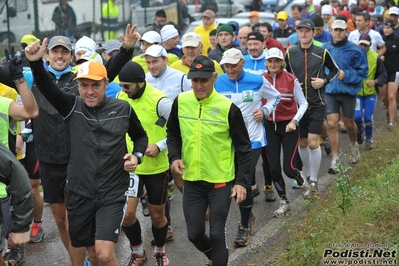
(350, 58)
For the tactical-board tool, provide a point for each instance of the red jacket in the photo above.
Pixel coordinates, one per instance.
(287, 108)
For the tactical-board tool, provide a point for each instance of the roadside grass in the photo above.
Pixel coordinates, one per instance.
(360, 207)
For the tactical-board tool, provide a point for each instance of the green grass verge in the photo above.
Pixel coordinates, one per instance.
(361, 207)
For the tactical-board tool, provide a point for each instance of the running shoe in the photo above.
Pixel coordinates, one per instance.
(300, 180)
(255, 190)
(355, 154)
(269, 194)
(17, 254)
(369, 144)
(161, 259)
(136, 259)
(327, 147)
(283, 209)
(334, 165)
(312, 191)
(13, 263)
(36, 233)
(243, 236)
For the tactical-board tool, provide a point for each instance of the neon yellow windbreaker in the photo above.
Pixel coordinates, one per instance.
(207, 149)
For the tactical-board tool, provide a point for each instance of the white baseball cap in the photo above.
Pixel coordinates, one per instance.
(339, 24)
(394, 10)
(155, 51)
(274, 53)
(151, 37)
(231, 56)
(191, 39)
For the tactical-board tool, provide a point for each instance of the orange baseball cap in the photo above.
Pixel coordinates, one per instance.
(254, 14)
(93, 70)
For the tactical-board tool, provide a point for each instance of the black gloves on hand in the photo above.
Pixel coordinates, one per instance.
(15, 66)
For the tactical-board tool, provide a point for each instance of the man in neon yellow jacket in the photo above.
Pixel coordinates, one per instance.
(210, 154)
(110, 13)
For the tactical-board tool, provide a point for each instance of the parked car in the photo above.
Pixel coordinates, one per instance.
(247, 3)
(241, 22)
(264, 16)
(274, 5)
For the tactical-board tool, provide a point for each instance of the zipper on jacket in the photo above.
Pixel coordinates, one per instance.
(56, 145)
(200, 111)
(306, 73)
(99, 157)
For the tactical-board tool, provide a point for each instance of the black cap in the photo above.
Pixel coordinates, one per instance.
(201, 67)
(365, 38)
(255, 35)
(132, 72)
(317, 20)
(306, 23)
(389, 23)
(160, 13)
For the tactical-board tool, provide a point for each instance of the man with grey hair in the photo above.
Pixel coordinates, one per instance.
(242, 36)
(192, 47)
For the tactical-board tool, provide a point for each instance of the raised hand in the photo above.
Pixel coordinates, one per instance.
(131, 37)
(35, 50)
(15, 66)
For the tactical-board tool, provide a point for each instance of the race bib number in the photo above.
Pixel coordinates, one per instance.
(247, 96)
(133, 189)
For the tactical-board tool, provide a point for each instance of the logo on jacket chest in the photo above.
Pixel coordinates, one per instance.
(215, 111)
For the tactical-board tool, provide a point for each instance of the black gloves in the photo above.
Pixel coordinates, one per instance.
(15, 66)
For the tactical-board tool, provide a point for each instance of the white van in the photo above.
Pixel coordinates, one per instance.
(34, 17)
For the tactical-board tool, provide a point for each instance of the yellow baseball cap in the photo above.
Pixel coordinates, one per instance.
(282, 15)
(29, 38)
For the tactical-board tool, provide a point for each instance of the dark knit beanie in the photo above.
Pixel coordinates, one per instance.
(132, 72)
(225, 27)
(317, 20)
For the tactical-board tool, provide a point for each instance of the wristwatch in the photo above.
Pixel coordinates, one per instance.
(139, 156)
(295, 121)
